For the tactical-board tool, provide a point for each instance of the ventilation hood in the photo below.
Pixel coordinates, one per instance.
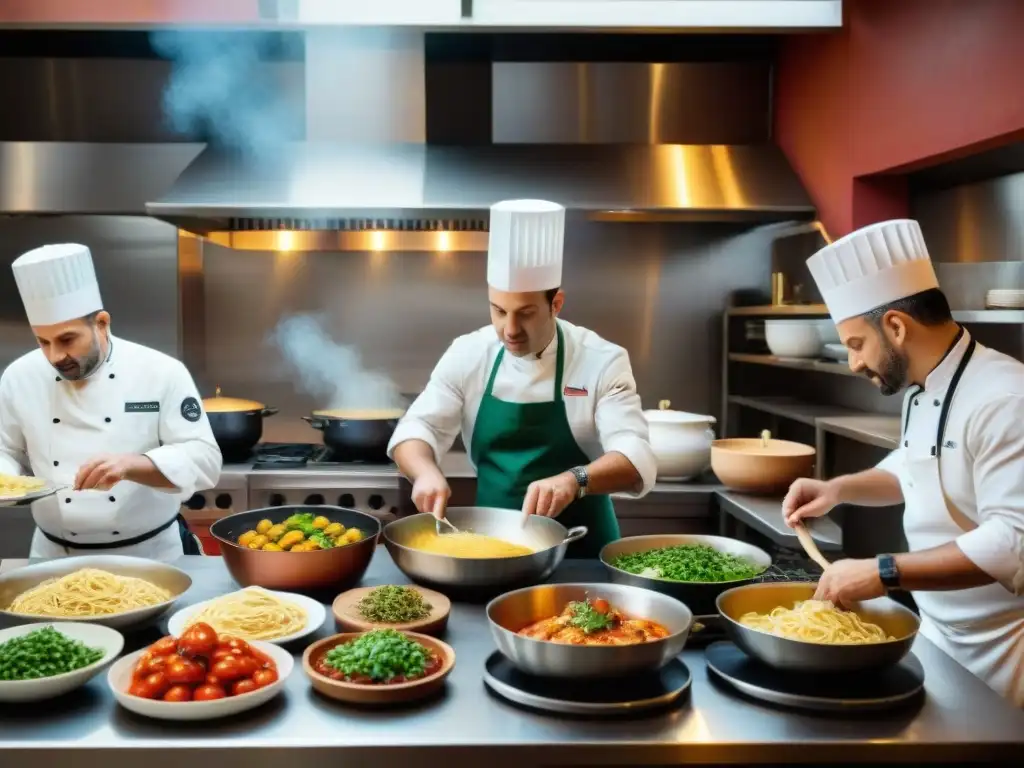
(365, 164)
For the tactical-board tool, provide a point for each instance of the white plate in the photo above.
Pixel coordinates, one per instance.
(119, 678)
(105, 639)
(27, 498)
(315, 615)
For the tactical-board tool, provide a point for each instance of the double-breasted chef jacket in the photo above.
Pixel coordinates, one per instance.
(139, 401)
(599, 392)
(967, 486)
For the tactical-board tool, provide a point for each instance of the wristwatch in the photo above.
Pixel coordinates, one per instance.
(888, 572)
(582, 480)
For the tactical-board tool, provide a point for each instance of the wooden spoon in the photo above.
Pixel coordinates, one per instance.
(809, 546)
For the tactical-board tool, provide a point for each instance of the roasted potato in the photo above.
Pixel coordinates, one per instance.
(334, 530)
(291, 540)
(245, 538)
(258, 542)
(276, 532)
(263, 526)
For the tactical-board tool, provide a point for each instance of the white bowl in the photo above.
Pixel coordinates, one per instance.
(105, 639)
(119, 678)
(176, 581)
(793, 338)
(315, 615)
(681, 442)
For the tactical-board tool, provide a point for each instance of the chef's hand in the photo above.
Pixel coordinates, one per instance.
(550, 496)
(808, 498)
(430, 493)
(846, 582)
(104, 472)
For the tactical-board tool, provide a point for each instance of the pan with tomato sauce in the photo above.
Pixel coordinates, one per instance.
(200, 666)
(594, 622)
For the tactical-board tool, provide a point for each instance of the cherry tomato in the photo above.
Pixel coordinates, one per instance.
(248, 665)
(198, 640)
(158, 682)
(209, 692)
(264, 677)
(229, 668)
(220, 653)
(152, 664)
(212, 680)
(164, 646)
(178, 693)
(143, 691)
(181, 671)
(224, 641)
(601, 606)
(239, 645)
(243, 686)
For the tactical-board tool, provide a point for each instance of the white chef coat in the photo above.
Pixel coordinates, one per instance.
(600, 395)
(138, 401)
(981, 466)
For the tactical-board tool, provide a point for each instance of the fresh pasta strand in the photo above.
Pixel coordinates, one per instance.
(252, 614)
(816, 621)
(88, 592)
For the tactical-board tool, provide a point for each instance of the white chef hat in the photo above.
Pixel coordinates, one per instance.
(524, 250)
(57, 283)
(872, 267)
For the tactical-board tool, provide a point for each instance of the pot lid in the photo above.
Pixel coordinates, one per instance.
(665, 416)
(218, 404)
(361, 414)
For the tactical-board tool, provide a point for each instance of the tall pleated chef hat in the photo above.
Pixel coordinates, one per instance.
(524, 249)
(57, 283)
(872, 267)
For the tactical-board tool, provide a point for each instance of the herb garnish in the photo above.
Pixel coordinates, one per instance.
(688, 562)
(394, 605)
(587, 617)
(380, 655)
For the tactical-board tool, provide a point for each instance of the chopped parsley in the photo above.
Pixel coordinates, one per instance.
(687, 562)
(588, 618)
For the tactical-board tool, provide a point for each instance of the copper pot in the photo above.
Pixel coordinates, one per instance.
(336, 569)
(760, 466)
(237, 424)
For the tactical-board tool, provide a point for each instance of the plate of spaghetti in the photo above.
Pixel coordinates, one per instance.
(254, 613)
(24, 489)
(115, 591)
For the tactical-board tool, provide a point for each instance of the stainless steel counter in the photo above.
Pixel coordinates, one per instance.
(959, 720)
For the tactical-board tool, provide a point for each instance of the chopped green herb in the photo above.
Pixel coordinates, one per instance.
(44, 653)
(688, 562)
(586, 617)
(379, 655)
(394, 605)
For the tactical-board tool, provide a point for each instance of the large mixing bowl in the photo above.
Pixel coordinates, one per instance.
(749, 465)
(20, 580)
(801, 656)
(546, 536)
(337, 569)
(514, 611)
(699, 596)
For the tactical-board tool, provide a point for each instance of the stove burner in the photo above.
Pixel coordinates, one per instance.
(283, 455)
(325, 457)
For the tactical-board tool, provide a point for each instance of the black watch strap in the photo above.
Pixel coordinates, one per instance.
(888, 572)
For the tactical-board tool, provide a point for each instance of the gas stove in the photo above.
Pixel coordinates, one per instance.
(283, 456)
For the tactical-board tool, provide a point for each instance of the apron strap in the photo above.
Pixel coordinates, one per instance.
(494, 370)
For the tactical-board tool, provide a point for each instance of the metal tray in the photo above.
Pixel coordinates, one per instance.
(887, 688)
(16, 501)
(592, 698)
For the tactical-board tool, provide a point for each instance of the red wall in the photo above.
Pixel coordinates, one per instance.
(904, 85)
(136, 12)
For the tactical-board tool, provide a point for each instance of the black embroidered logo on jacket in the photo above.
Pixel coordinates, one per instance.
(191, 410)
(150, 407)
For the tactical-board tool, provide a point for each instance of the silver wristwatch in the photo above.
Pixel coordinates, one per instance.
(582, 480)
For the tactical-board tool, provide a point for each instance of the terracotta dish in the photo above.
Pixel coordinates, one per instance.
(346, 613)
(395, 693)
(753, 465)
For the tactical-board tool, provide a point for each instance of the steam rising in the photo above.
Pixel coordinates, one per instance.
(220, 89)
(332, 373)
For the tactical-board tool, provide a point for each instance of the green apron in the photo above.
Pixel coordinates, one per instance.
(515, 444)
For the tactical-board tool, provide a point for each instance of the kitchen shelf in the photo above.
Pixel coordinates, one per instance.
(993, 316)
(1003, 316)
(793, 363)
(790, 408)
(764, 514)
(879, 430)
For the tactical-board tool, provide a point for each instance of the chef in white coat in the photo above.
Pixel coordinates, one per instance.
(549, 411)
(959, 467)
(120, 424)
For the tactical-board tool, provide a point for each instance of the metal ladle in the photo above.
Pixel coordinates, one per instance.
(446, 521)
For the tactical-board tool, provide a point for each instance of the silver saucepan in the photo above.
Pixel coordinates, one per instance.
(546, 536)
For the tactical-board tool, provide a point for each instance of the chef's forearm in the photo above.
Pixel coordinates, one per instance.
(414, 458)
(613, 473)
(870, 488)
(145, 472)
(940, 568)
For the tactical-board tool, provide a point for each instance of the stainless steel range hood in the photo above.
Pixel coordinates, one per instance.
(366, 167)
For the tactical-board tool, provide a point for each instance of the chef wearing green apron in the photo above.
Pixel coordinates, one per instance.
(548, 410)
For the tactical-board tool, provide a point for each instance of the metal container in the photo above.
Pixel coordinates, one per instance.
(237, 424)
(20, 580)
(513, 611)
(546, 536)
(699, 596)
(337, 569)
(356, 435)
(801, 656)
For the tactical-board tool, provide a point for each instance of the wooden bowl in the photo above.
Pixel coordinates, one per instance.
(748, 466)
(357, 693)
(348, 617)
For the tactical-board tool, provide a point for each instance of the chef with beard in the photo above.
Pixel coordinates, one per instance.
(119, 424)
(959, 467)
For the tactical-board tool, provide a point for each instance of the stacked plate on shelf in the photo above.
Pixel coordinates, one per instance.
(1004, 298)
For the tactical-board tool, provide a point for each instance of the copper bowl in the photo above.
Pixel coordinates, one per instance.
(339, 568)
(748, 465)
